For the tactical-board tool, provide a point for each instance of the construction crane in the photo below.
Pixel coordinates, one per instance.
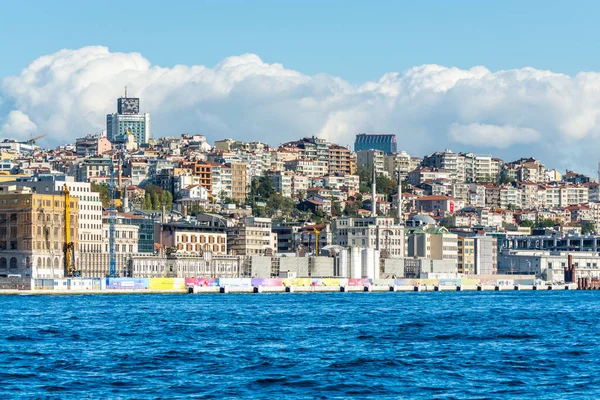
(317, 239)
(68, 247)
(33, 139)
(112, 220)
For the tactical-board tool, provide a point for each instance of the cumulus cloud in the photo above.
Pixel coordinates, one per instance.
(493, 135)
(511, 113)
(18, 126)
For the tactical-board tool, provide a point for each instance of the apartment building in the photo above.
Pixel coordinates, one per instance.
(239, 182)
(32, 232)
(379, 233)
(340, 160)
(433, 243)
(466, 255)
(252, 237)
(369, 159)
(208, 234)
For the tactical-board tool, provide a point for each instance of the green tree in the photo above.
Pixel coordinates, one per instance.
(147, 202)
(351, 209)
(104, 193)
(545, 223)
(588, 227)
(337, 210)
(527, 223)
(156, 197)
(155, 201)
(506, 179)
(386, 185)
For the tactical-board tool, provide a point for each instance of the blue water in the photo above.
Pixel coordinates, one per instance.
(363, 345)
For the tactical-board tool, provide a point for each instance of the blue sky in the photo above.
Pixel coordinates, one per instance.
(356, 40)
(497, 87)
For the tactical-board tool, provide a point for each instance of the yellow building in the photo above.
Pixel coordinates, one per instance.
(6, 177)
(466, 255)
(32, 232)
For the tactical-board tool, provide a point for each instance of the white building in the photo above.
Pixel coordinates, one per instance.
(379, 233)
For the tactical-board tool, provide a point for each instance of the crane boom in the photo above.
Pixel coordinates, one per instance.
(68, 246)
(33, 139)
(112, 271)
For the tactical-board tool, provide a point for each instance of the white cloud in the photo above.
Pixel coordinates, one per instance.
(510, 113)
(493, 135)
(18, 126)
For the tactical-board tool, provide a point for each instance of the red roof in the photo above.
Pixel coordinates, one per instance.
(435, 198)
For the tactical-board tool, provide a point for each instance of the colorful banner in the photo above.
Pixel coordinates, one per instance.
(358, 282)
(266, 282)
(234, 282)
(161, 283)
(200, 282)
(128, 283)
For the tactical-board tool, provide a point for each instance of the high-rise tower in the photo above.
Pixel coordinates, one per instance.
(128, 119)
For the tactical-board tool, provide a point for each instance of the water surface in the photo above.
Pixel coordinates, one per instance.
(328, 345)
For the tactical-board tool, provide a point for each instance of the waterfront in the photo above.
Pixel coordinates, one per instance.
(487, 344)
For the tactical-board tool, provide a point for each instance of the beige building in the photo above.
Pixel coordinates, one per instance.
(434, 243)
(466, 255)
(239, 182)
(252, 236)
(208, 235)
(340, 160)
(32, 232)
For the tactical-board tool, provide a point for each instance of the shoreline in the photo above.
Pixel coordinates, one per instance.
(298, 289)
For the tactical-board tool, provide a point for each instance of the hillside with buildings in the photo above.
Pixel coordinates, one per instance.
(182, 207)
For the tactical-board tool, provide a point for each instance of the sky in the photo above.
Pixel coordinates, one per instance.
(509, 78)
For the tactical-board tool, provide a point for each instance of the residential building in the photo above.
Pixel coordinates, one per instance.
(239, 182)
(340, 160)
(252, 237)
(486, 255)
(435, 243)
(207, 234)
(466, 255)
(434, 204)
(379, 233)
(32, 233)
(369, 159)
(92, 145)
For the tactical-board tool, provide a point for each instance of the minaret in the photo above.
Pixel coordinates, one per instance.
(399, 198)
(125, 200)
(374, 194)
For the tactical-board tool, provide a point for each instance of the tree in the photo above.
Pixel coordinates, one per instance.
(386, 185)
(506, 179)
(261, 189)
(364, 175)
(527, 223)
(281, 204)
(337, 210)
(147, 203)
(545, 223)
(351, 209)
(156, 197)
(588, 227)
(104, 193)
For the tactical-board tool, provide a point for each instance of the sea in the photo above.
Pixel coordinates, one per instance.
(440, 345)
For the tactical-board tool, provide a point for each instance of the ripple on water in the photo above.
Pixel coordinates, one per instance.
(481, 345)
